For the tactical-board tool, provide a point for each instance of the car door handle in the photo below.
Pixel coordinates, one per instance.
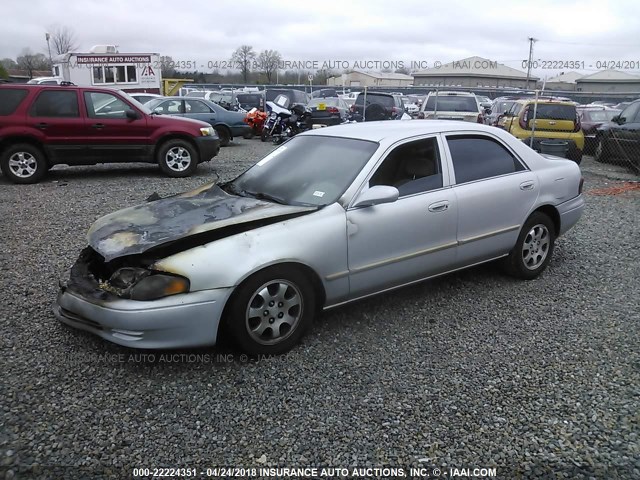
(98, 126)
(439, 206)
(42, 125)
(526, 186)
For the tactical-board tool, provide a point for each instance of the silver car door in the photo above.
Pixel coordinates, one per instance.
(494, 190)
(412, 238)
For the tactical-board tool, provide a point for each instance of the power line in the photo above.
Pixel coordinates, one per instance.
(594, 44)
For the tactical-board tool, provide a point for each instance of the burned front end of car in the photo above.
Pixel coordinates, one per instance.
(127, 302)
(131, 285)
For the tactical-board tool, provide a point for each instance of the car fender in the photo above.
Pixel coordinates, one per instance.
(317, 240)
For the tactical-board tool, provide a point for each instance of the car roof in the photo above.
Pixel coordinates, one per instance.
(394, 130)
(525, 101)
(452, 93)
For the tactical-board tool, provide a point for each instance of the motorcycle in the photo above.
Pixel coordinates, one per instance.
(283, 123)
(255, 119)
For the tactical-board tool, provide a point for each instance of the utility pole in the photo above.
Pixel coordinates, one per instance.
(531, 42)
(48, 37)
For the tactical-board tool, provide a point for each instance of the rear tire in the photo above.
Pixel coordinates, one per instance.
(225, 136)
(534, 248)
(270, 311)
(23, 163)
(177, 158)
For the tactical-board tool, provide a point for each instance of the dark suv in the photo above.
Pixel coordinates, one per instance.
(380, 106)
(46, 125)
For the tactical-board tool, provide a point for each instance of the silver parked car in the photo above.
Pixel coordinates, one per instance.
(331, 216)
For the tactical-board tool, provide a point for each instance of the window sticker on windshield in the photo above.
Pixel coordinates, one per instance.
(272, 155)
(318, 194)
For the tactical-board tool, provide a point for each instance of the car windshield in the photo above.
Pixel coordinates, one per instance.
(452, 104)
(501, 107)
(141, 106)
(599, 115)
(151, 105)
(306, 170)
(385, 100)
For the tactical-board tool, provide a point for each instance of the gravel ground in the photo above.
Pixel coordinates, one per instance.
(537, 379)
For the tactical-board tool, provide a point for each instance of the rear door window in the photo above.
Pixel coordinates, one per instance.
(10, 98)
(452, 104)
(547, 111)
(476, 157)
(56, 103)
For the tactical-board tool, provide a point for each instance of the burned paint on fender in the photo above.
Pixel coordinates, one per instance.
(137, 229)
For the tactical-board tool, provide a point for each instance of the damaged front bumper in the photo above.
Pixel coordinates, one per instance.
(177, 321)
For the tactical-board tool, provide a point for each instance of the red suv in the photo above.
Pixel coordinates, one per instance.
(46, 125)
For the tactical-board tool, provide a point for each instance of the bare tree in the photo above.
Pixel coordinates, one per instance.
(404, 70)
(63, 39)
(30, 62)
(269, 61)
(322, 75)
(243, 56)
(167, 67)
(9, 63)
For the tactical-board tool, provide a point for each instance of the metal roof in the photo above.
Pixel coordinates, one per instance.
(467, 68)
(569, 77)
(610, 76)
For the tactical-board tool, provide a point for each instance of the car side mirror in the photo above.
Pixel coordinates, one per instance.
(131, 114)
(376, 195)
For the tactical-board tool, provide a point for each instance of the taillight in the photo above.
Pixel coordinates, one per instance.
(352, 108)
(333, 110)
(581, 185)
(523, 119)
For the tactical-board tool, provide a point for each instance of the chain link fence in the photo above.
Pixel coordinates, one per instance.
(604, 127)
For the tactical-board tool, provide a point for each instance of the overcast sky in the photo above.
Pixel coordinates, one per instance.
(409, 30)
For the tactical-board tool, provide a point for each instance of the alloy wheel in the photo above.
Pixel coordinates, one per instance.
(274, 312)
(535, 247)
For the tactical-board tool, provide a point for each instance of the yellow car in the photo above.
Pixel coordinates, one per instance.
(555, 121)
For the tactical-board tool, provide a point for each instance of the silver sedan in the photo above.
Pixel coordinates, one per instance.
(331, 216)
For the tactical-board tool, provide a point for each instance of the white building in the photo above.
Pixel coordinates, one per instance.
(104, 66)
(564, 81)
(359, 78)
(473, 72)
(609, 81)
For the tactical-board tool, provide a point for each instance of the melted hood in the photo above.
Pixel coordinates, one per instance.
(137, 229)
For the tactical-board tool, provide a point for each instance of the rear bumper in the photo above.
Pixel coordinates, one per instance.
(570, 212)
(179, 321)
(208, 147)
(329, 121)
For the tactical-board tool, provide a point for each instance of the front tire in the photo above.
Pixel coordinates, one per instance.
(601, 153)
(177, 158)
(271, 310)
(534, 248)
(23, 163)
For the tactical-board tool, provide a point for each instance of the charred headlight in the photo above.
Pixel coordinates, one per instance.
(142, 284)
